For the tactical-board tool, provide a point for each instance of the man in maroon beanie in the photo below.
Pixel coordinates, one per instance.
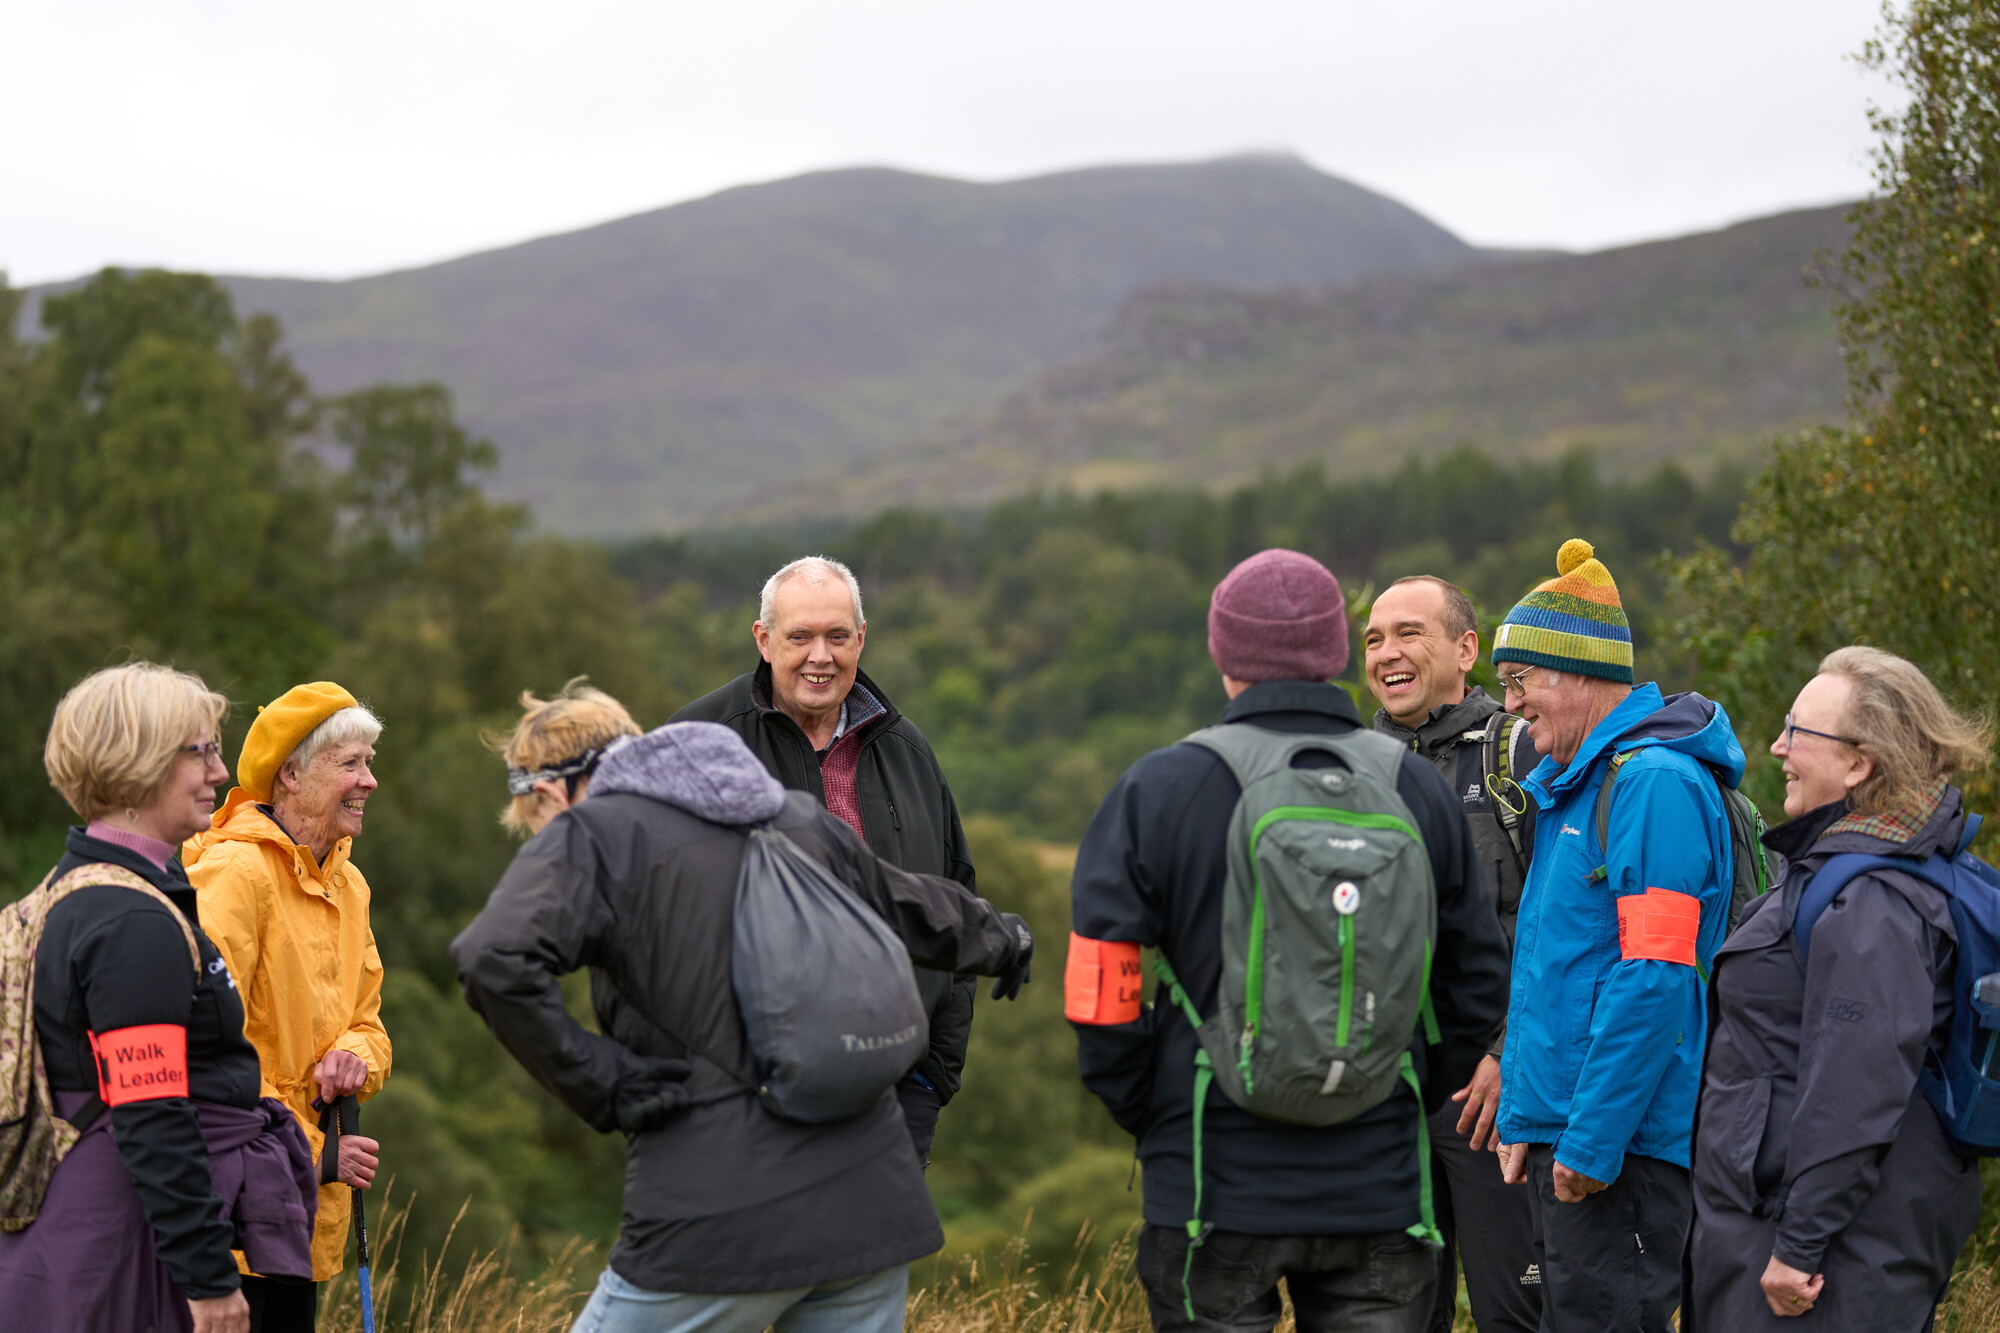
(1335, 1211)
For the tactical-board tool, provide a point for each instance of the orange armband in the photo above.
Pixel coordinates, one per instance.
(1659, 924)
(1102, 981)
(141, 1064)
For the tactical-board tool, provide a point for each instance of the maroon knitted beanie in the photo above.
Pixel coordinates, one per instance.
(1278, 616)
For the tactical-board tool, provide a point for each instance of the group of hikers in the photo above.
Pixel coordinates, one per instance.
(1522, 990)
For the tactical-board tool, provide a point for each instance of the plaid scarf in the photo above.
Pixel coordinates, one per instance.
(1897, 826)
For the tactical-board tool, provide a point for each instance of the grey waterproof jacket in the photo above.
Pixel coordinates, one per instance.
(1812, 1142)
(638, 884)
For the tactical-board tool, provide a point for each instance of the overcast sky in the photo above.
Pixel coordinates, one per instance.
(324, 140)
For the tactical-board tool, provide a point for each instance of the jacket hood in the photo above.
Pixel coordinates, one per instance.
(703, 768)
(240, 820)
(1695, 726)
(1445, 724)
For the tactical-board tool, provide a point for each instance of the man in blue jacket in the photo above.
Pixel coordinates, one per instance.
(1607, 1020)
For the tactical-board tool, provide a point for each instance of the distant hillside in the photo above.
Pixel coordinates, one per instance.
(666, 367)
(1695, 348)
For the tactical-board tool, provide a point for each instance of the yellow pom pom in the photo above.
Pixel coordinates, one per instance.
(1574, 552)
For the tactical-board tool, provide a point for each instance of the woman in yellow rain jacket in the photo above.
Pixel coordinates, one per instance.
(289, 913)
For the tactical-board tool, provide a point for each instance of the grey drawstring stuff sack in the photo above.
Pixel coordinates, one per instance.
(825, 988)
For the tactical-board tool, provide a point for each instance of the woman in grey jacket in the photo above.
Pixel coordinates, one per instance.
(1823, 1182)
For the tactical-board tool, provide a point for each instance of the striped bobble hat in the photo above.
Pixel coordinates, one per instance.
(1574, 622)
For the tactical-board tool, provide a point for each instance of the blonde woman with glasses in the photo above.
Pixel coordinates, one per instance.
(141, 1030)
(1824, 1183)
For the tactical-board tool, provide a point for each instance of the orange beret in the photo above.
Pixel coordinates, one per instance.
(280, 726)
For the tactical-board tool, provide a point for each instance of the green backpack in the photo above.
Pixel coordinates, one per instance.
(1329, 916)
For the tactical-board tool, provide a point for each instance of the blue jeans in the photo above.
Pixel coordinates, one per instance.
(871, 1304)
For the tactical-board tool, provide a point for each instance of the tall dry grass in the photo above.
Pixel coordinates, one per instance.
(482, 1296)
(1003, 1295)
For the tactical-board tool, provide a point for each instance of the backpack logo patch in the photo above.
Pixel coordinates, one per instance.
(1347, 844)
(853, 1043)
(1346, 898)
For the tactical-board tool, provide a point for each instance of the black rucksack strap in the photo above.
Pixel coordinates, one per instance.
(86, 1114)
(1510, 801)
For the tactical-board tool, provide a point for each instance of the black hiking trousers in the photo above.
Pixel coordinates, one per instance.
(1379, 1283)
(1612, 1263)
(1490, 1226)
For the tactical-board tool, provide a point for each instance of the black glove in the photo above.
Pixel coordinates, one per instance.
(1008, 982)
(651, 1092)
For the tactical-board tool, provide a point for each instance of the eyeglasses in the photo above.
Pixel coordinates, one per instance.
(1513, 680)
(1792, 729)
(209, 751)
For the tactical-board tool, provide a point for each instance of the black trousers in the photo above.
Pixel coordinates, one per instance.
(1489, 1226)
(279, 1306)
(1339, 1284)
(1612, 1264)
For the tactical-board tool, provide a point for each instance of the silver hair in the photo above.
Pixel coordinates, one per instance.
(342, 728)
(816, 570)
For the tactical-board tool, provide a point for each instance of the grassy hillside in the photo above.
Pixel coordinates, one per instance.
(1692, 349)
(658, 369)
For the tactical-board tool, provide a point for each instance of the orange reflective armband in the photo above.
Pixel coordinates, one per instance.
(1102, 981)
(141, 1064)
(1659, 924)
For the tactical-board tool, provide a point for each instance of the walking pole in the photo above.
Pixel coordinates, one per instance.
(345, 1117)
(349, 1112)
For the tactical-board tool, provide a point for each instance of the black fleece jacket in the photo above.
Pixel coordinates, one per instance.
(112, 958)
(906, 808)
(1151, 871)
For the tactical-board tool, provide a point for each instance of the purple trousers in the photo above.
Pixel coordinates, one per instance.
(87, 1261)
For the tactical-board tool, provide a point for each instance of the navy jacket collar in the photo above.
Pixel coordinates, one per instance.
(1292, 696)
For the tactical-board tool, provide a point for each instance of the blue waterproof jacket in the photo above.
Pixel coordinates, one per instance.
(1604, 1052)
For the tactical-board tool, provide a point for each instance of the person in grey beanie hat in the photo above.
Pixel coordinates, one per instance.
(1333, 1210)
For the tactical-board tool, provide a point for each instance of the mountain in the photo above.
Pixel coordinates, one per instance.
(667, 367)
(1694, 349)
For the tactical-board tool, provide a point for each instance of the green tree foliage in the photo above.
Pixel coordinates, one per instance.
(172, 488)
(1883, 532)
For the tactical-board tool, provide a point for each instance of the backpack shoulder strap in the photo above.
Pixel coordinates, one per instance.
(104, 873)
(1839, 871)
(1498, 774)
(1604, 798)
